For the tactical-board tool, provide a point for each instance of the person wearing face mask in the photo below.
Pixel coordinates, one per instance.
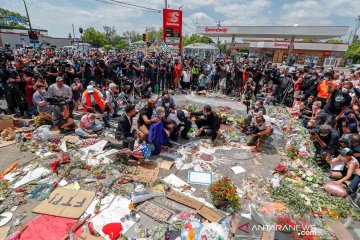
(209, 125)
(158, 135)
(39, 99)
(145, 119)
(339, 101)
(326, 139)
(110, 98)
(354, 140)
(123, 130)
(88, 128)
(325, 87)
(265, 130)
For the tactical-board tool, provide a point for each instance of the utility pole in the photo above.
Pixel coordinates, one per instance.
(218, 42)
(27, 14)
(356, 28)
(166, 4)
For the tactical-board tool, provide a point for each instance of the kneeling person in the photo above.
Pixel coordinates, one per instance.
(180, 118)
(210, 125)
(264, 131)
(123, 131)
(61, 118)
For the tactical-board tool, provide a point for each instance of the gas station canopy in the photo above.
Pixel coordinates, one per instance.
(310, 32)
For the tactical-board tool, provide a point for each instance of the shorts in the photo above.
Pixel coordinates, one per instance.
(223, 83)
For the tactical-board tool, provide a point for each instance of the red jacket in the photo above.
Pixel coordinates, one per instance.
(178, 70)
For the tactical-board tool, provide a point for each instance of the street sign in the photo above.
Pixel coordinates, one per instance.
(172, 25)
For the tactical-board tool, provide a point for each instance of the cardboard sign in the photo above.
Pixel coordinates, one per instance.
(146, 175)
(88, 236)
(184, 200)
(166, 164)
(4, 232)
(64, 202)
(210, 214)
(340, 231)
(6, 122)
(155, 211)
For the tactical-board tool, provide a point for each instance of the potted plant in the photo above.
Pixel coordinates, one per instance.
(224, 195)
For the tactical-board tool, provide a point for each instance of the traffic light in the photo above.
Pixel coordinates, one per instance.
(144, 37)
(147, 37)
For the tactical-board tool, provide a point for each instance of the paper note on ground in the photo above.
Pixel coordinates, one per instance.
(176, 182)
(238, 169)
(166, 164)
(31, 176)
(117, 210)
(195, 177)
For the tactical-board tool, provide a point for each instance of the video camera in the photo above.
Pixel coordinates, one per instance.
(57, 100)
(252, 130)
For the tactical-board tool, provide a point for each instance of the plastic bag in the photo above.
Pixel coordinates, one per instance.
(335, 189)
(42, 133)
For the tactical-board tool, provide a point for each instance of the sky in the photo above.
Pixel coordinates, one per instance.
(57, 16)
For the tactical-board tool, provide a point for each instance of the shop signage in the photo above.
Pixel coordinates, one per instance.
(281, 45)
(172, 25)
(326, 53)
(216, 29)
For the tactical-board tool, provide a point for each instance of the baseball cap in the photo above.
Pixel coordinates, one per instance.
(346, 151)
(90, 89)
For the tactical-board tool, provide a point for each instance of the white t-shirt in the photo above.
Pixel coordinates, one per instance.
(187, 76)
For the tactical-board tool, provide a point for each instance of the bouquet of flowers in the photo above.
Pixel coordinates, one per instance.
(223, 192)
(280, 169)
(43, 119)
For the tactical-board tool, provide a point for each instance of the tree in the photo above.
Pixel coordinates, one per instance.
(133, 36)
(353, 52)
(110, 33)
(21, 23)
(119, 43)
(96, 38)
(195, 38)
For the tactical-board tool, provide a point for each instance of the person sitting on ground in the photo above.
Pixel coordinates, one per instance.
(158, 135)
(346, 123)
(62, 119)
(210, 125)
(264, 131)
(88, 128)
(311, 118)
(298, 105)
(92, 101)
(348, 170)
(145, 119)
(123, 132)
(259, 108)
(180, 118)
(354, 141)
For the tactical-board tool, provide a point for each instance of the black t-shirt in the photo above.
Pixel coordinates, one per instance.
(52, 78)
(144, 111)
(337, 101)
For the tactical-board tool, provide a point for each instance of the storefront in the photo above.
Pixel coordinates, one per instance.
(322, 54)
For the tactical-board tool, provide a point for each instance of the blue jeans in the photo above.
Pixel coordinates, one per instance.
(355, 182)
(94, 128)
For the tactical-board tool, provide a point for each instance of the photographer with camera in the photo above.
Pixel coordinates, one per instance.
(77, 89)
(151, 67)
(326, 139)
(61, 117)
(62, 90)
(68, 73)
(39, 99)
(259, 131)
(249, 94)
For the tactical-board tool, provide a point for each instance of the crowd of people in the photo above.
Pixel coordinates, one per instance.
(57, 82)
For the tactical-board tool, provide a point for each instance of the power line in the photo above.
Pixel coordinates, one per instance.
(188, 26)
(132, 6)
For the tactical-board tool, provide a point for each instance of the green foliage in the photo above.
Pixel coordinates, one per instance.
(244, 50)
(195, 38)
(134, 36)
(110, 33)
(94, 37)
(334, 41)
(119, 43)
(353, 52)
(107, 47)
(306, 40)
(7, 13)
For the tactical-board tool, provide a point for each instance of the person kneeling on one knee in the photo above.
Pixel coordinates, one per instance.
(209, 125)
(265, 130)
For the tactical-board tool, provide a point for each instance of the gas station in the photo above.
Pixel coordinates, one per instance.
(283, 43)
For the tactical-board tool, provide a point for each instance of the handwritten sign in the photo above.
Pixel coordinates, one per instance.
(154, 211)
(64, 202)
(210, 214)
(146, 175)
(184, 200)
